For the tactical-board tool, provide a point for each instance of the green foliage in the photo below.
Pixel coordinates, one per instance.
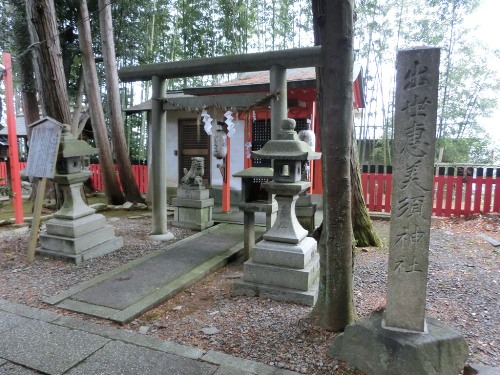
(468, 150)
(5, 189)
(468, 88)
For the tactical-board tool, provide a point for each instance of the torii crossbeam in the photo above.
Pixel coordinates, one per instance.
(275, 61)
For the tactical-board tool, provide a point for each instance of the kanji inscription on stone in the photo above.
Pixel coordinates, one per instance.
(44, 145)
(414, 137)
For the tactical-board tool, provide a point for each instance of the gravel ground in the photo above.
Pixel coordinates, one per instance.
(462, 291)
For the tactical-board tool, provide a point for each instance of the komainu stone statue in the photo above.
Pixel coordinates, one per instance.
(194, 177)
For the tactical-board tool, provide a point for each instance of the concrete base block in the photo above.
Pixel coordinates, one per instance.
(193, 217)
(193, 193)
(193, 203)
(68, 245)
(75, 228)
(276, 293)
(193, 226)
(372, 349)
(102, 249)
(161, 237)
(293, 278)
(284, 254)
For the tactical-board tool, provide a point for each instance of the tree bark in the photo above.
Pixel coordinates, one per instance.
(129, 185)
(77, 110)
(110, 180)
(334, 23)
(362, 226)
(27, 82)
(41, 14)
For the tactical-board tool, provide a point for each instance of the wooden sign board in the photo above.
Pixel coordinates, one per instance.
(44, 145)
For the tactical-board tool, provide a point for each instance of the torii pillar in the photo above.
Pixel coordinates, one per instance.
(279, 105)
(159, 161)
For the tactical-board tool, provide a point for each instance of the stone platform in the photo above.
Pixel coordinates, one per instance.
(282, 271)
(193, 208)
(376, 350)
(80, 239)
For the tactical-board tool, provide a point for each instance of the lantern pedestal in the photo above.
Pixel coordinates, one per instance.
(76, 233)
(285, 265)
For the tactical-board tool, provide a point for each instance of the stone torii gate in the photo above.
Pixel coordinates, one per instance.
(277, 62)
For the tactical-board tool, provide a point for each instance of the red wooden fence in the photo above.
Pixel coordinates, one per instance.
(140, 174)
(454, 194)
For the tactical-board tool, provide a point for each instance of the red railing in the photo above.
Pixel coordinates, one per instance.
(463, 194)
(140, 174)
(454, 194)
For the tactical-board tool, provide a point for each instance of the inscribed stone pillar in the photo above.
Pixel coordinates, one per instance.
(414, 137)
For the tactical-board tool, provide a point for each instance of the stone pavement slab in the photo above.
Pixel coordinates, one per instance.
(70, 345)
(239, 366)
(121, 358)
(9, 321)
(18, 309)
(13, 369)
(124, 293)
(131, 337)
(48, 348)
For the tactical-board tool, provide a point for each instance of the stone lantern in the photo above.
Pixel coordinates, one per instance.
(76, 232)
(285, 265)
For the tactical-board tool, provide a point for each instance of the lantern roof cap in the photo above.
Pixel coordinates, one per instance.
(71, 147)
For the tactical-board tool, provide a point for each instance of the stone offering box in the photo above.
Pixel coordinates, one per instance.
(254, 197)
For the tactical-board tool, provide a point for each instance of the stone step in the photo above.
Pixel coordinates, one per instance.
(285, 254)
(104, 248)
(300, 279)
(75, 228)
(76, 245)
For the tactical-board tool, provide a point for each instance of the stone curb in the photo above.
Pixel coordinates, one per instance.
(252, 367)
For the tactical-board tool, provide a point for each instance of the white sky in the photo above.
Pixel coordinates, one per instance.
(486, 20)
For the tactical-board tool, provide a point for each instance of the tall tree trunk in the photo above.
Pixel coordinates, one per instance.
(362, 227)
(130, 189)
(77, 110)
(363, 231)
(27, 82)
(41, 14)
(333, 20)
(110, 180)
